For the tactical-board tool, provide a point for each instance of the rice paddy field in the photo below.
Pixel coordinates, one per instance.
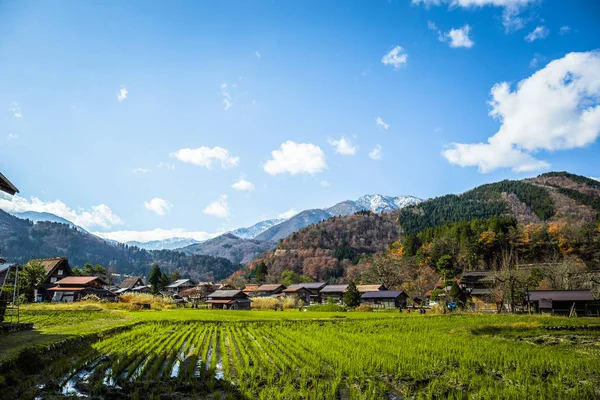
(180, 354)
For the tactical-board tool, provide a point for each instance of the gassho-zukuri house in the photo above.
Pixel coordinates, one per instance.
(74, 288)
(229, 300)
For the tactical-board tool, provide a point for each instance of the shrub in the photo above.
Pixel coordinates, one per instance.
(326, 307)
(364, 308)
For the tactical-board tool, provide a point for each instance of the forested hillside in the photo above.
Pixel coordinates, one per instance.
(541, 220)
(22, 240)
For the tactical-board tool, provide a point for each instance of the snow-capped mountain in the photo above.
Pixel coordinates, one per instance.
(165, 244)
(253, 231)
(376, 203)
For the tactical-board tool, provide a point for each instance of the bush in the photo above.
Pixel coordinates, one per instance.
(364, 308)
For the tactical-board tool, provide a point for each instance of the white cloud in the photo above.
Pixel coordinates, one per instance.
(257, 54)
(324, 184)
(376, 152)
(243, 185)
(556, 108)
(16, 110)
(288, 214)
(396, 57)
(538, 33)
(534, 62)
(206, 156)
(100, 215)
(460, 37)
(565, 29)
(156, 234)
(226, 96)
(594, 178)
(122, 94)
(343, 146)
(454, 37)
(141, 170)
(12, 136)
(166, 165)
(158, 205)
(381, 124)
(511, 9)
(218, 208)
(296, 158)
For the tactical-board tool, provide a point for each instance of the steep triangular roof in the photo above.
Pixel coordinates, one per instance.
(7, 186)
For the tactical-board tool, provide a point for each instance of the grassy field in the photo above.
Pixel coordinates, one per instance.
(298, 355)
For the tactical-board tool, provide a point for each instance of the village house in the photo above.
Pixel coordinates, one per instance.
(270, 290)
(564, 302)
(384, 299)
(298, 292)
(56, 268)
(251, 290)
(129, 284)
(74, 288)
(479, 285)
(313, 288)
(336, 292)
(179, 285)
(229, 300)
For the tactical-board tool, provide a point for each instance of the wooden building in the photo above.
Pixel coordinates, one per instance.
(566, 302)
(270, 290)
(333, 293)
(251, 290)
(179, 285)
(129, 284)
(384, 299)
(229, 300)
(6, 186)
(479, 286)
(74, 288)
(313, 288)
(298, 292)
(56, 268)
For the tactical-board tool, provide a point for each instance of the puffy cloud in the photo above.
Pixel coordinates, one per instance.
(243, 185)
(296, 158)
(396, 57)
(218, 208)
(158, 205)
(556, 108)
(510, 14)
(460, 37)
(16, 110)
(381, 124)
(141, 170)
(376, 152)
(343, 146)
(12, 136)
(454, 37)
(156, 234)
(122, 94)
(538, 33)
(288, 214)
(100, 215)
(206, 156)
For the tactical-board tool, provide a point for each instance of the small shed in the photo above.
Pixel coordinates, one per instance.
(384, 299)
(581, 302)
(179, 285)
(229, 300)
(270, 290)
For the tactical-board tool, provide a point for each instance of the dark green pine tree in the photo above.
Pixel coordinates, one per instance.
(261, 272)
(352, 295)
(155, 278)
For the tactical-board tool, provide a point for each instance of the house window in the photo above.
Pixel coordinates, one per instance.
(53, 279)
(60, 272)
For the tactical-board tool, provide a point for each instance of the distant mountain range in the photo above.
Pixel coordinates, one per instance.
(231, 247)
(256, 229)
(375, 203)
(165, 244)
(35, 217)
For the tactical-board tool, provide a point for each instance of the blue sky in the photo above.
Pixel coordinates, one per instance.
(100, 100)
